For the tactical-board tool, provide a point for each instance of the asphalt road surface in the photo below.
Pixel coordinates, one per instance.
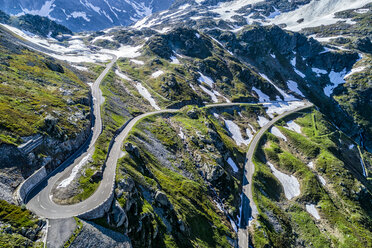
(59, 231)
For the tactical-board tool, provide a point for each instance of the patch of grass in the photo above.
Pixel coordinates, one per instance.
(29, 91)
(16, 216)
(309, 232)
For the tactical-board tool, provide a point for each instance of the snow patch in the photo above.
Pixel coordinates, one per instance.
(121, 75)
(185, 6)
(317, 13)
(181, 134)
(236, 134)
(293, 86)
(157, 73)
(351, 146)
(291, 125)
(65, 182)
(210, 93)
(80, 14)
(125, 51)
(205, 79)
(81, 68)
(232, 164)
(262, 121)
(336, 78)
(262, 97)
(355, 70)
(293, 61)
(361, 11)
(277, 133)
(311, 165)
(290, 183)
(363, 167)
(174, 60)
(311, 209)
(281, 107)
(252, 128)
(286, 96)
(138, 62)
(299, 73)
(102, 38)
(273, 14)
(146, 94)
(322, 180)
(318, 71)
(192, 87)
(45, 10)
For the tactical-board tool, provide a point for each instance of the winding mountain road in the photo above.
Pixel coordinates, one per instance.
(39, 199)
(42, 204)
(249, 209)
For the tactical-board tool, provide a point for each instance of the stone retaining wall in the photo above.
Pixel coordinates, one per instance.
(28, 184)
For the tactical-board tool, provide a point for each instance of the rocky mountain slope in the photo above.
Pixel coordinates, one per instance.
(35, 25)
(45, 113)
(19, 227)
(309, 188)
(87, 14)
(179, 179)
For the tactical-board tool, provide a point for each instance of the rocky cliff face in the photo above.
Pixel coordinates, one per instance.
(17, 165)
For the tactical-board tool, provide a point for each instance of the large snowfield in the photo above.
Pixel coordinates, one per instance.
(317, 13)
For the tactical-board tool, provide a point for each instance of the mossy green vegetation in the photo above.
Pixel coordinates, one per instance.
(342, 200)
(173, 164)
(16, 221)
(33, 87)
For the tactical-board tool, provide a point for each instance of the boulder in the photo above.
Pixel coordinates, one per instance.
(96, 177)
(212, 172)
(193, 114)
(126, 184)
(162, 199)
(132, 149)
(117, 216)
(54, 67)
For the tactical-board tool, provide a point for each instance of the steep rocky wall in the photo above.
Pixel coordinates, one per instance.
(24, 170)
(100, 210)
